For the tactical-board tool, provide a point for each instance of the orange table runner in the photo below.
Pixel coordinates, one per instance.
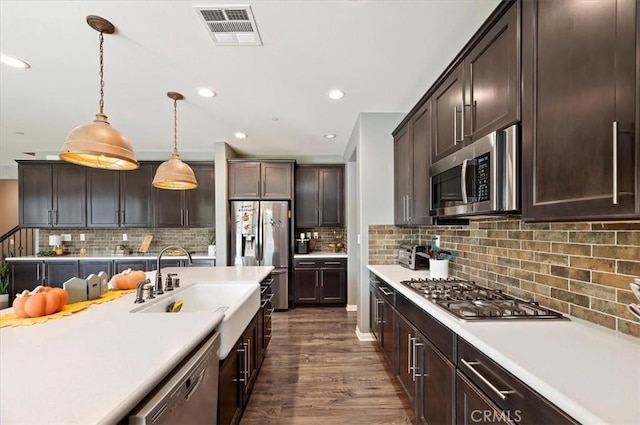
(11, 319)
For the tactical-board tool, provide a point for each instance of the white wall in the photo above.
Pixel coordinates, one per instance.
(372, 144)
(222, 152)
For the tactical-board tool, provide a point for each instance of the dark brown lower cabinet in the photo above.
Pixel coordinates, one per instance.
(436, 380)
(406, 335)
(446, 380)
(320, 281)
(85, 268)
(238, 373)
(58, 272)
(474, 407)
(25, 275)
(229, 390)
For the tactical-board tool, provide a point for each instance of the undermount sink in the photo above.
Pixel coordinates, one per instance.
(239, 301)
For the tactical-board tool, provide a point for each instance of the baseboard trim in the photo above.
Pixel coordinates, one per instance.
(352, 307)
(364, 336)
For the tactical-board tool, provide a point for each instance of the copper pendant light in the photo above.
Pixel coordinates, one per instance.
(98, 145)
(175, 174)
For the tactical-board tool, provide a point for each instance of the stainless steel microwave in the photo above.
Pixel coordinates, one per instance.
(482, 178)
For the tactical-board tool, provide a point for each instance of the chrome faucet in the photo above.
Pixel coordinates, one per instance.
(159, 289)
(140, 291)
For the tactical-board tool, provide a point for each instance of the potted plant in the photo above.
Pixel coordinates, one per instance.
(4, 283)
(211, 242)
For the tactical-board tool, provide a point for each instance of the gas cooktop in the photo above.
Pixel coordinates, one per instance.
(469, 301)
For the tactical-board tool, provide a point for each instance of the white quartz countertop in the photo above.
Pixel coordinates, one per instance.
(110, 257)
(322, 254)
(590, 372)
(93, 367)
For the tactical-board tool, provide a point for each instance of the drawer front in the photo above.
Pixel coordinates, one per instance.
(441, 336)
(505, 390)
(385, 290)
(333, 263)
(311, 263)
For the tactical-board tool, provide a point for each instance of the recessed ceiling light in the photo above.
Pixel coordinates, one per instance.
(205, 92)
(336, 94)
(14, 62)
(329, 136)
(241, 136)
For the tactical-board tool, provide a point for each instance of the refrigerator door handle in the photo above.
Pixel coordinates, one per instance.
(260, 236)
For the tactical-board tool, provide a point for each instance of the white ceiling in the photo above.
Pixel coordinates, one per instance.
(383, 54)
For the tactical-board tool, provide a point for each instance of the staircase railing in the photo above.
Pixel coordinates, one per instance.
(17, 242)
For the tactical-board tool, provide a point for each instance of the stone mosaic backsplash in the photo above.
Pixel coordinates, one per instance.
(104, 241)
(582, 269)
(326, 235)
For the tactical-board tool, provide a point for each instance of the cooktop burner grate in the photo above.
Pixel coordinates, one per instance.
(470, 301)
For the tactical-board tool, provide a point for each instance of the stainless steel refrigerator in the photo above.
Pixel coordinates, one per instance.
(260, 237)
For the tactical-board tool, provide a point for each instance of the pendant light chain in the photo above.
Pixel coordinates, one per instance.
(101, 72)
(175, 125)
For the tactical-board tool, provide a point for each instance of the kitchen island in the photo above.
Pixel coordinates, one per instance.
(588, 371)
(96, 365)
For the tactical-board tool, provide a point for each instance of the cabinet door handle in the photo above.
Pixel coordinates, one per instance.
(242, 373)
(615, 162)
(44, 273)
(455, 125)
(409, 341)
(416, 344)
(332, 263)
(409, 208)
(56, 213)
(38, 273)
(186, 219)
(49, 218)
(378, 304)
(501, 393)
(181, 217)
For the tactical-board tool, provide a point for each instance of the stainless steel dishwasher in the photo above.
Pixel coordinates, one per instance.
(189, 395)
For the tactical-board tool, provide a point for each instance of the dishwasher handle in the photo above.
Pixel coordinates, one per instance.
(191, 390)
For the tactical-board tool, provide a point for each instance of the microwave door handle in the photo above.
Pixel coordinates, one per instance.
(463, 181)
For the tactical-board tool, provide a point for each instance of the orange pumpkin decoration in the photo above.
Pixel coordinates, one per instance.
(128, 279)
(40, 302)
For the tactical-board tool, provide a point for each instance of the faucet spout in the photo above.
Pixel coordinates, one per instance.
(159, 289)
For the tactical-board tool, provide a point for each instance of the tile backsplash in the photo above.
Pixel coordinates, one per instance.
(326, 235)
(582, 268)
(104, 241)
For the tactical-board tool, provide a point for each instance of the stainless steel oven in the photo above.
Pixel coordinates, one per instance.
(482, 178)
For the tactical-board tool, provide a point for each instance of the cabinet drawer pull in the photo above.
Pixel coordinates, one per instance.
(332, 263)
(306, 263)
(502, 394)
(386, 291)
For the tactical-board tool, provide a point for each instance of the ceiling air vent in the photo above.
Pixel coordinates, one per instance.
(230, 25)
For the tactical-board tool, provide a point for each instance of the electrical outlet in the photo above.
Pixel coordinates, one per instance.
(81, 236)
(66, 237)
(436, 241)
(315, 235)
(124, 237)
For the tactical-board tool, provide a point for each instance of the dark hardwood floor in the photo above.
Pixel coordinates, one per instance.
(317, 372)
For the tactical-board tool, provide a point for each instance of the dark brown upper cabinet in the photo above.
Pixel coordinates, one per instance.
(412, 150)
(580, 113)
(319, 193)
(449, 111)
(120, 198)
(492, 72)
(401, 160)
(52, 195)
(260, 180)
(188, 208)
